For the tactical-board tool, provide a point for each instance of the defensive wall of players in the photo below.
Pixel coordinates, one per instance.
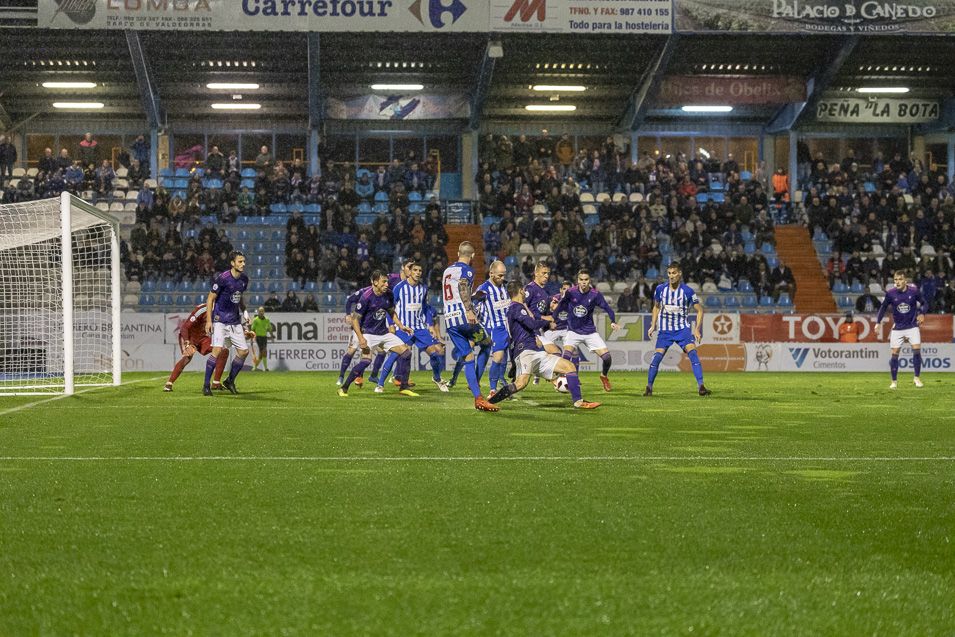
(731, 342)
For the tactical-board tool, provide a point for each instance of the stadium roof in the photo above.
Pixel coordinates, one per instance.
(621, 73)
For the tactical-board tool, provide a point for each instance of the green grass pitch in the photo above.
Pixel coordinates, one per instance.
(784, 504)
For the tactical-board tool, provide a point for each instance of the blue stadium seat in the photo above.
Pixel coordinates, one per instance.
(312, 208)
(278, 235)
(248, 173)
(784, 300)
(257, 273)
(749, 301)
(414, 195)
(166, 299)
(745, 286)
(380, 208)
(259, 248)
(766, 302)
(702, 197)
(148, 286)
(839, 287)
(846, 302)
(166, 172)
(731, 302)
(257, 300)
(258, 286)
(278, 259)
(745, 175)
(767, 248)
(168, 286)
(311, 286)
(713, 302)
(652, 273)
(296, 207)
(258, 259)
(182, 172)
(199, 298)
(511, 261)
(278, 209)
(856, 287)
(381, 196)
(869, 187)
(329, 286)
(184, 286)
(772, 261)
(183, 299)
(717, 197)
(293, 286)
(247, 183)
(746, 234)
(364, 208)
(147, 299)
(275, 273)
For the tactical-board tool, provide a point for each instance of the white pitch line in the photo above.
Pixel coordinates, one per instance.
(475, 459)
(14, 410)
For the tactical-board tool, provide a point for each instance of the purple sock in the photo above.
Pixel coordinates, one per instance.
(573, 384)
(356, 371)
(210, 367)
(346, 361)
(403, 370)
(237, 364)
(575, 359)
(379, 359)
(917, 362)
(605, 357)
(894, 366)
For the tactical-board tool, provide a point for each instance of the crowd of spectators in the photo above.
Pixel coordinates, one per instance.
(891, 215)
(531, 191)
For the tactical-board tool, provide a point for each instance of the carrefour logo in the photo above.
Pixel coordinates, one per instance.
(436, 11)
(799, 355)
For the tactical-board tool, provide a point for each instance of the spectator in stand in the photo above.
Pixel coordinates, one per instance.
(310, 305)
(88, 149)
(730, 165)
(783, 281)
(627, 302)
(781, 185)
(47, 163)
(63, 161)
(215, 163)
(8, 157)
(264, 161)
(867, 303)
(272, 304)
(140, 152)
(104, 178)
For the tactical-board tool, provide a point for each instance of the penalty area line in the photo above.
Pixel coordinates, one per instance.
(366, 459)
(37, 403)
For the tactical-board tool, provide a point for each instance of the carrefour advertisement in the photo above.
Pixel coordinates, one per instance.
(407, 16)
(875, 17)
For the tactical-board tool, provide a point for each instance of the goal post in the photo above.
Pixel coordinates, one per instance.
(61, 297)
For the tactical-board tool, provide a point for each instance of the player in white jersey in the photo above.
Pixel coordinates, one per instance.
(460, 317)
(493, 302)
(415, 312)
(671, 301)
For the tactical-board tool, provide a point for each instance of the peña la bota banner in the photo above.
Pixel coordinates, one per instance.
(817, 16)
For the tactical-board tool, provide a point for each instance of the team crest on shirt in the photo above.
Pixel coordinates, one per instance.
(523, 312)
(904, 308)
(380, 315)
(236, 297)
(580, 311)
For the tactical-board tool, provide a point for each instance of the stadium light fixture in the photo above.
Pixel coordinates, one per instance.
(397, 87)
(559, 88)
(79, 106)
(232, 86)
(236, 106)
(702, 108)
(553, 108)
(883, 89)
(69, 85)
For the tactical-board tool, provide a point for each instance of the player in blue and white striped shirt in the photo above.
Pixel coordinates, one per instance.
(415, 312)
(493, 302)
(671, 302)
(460, 317)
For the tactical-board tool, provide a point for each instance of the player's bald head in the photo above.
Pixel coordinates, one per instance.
(466, 249)
(497, 267)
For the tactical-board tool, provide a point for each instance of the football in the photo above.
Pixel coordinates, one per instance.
(561, 385)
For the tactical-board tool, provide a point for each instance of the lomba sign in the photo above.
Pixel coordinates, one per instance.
(877, 111)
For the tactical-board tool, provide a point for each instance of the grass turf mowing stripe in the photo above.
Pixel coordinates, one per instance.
(474, 459)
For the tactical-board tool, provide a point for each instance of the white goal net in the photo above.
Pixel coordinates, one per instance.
(60, 295)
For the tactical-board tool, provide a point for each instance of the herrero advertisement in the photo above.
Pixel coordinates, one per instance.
(817, 16)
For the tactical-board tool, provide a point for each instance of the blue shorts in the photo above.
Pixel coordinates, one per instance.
(421, 338)
(500, 338)
(682, 338)
(463, 338)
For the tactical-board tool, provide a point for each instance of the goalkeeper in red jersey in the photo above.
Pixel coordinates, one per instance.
(192, 339)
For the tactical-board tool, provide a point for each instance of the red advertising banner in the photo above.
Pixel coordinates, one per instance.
(751, 89)
(824, 328)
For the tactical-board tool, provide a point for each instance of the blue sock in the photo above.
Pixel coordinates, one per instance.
(357, 371)
(917, 362)
(496, 374)
(484, 353)
(237, 364)
(471, 375)
(210, 367)
(458, 366)
(697, 365)
(654, 368)
(437, 366)
(573, 385)
(346, 361)
(386, 369)
(893, 367)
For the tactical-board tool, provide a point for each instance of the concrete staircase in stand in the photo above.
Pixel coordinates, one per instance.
(795, 249)
(457, 233)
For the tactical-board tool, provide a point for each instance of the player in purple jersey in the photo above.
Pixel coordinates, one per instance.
(580, 302)
(538, 301)
(393, 279)
(370, 323)
(524, 327)
(350, 302)
(225, 312)
(671, 302)
(908, 313)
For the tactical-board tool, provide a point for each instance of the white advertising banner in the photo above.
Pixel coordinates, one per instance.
(406, 16)
(842, 357)
(853, 110)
